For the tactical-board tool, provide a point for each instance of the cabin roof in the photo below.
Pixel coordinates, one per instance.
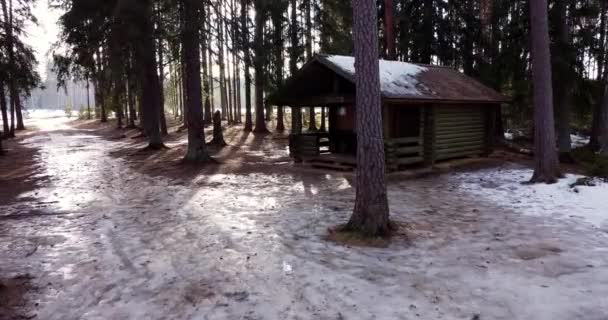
(402, 81)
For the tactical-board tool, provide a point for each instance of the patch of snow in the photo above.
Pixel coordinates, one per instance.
(578, 140)
(397, 78)
(505, 188)
(509, 135)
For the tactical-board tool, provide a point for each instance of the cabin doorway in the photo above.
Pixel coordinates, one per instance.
(404, 122)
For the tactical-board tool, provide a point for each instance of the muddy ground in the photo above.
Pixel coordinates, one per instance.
(102, 230)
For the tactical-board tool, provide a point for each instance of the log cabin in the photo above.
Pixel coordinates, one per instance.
(430, 113)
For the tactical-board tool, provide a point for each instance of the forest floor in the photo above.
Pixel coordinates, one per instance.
(91, 227)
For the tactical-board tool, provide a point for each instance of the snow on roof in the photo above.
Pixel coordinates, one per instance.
(403, 80)
(396, 78)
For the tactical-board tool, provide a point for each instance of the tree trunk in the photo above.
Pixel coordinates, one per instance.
(312, 120)
(323, 125)
(603, 123)
(161, 78)
(371, 212)
(88, 99)
(260, 21)
(296, 112)
(197, 152)
(389, 30)
(308, 21)
(247, 66)
(149, 79)
(429, 35)
(207, 94)
(563, 67)
(277, 24)
(546, 162)
(218, 134)
(9, 46)
(3, 107)
(222, 66)
(594, 142)
(131, 94)
(211, 79)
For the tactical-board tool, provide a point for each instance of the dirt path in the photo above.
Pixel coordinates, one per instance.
(111, 237)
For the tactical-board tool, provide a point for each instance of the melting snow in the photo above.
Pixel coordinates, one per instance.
(397, 79)
(504, 187)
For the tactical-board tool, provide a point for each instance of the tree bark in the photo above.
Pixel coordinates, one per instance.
(3, 107)
(603, 123)
(563, 84)
(149, 79)
(429, 35)
(260, 20)
(323, 125)
(161, 79)
(277, 23)
(88, 99)
(222, 66)
(207, 94)
(197, 152)
(546, 167)
(247, 64)
(389, 30)
(371, 213)
(594, 142)
(296, 112)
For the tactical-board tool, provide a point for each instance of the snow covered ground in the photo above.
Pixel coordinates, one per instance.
(577, 140)
(561, 200)
(108, 242)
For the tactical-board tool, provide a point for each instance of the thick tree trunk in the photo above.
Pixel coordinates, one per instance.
(389, 30)
(371, 213)
(197, 151)
(260, 21)
(149, 79)
(545, 156)
(563, 84)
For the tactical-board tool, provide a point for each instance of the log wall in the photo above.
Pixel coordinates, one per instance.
(460, 131)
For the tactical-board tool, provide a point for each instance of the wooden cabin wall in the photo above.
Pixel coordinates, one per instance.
(461, 131)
